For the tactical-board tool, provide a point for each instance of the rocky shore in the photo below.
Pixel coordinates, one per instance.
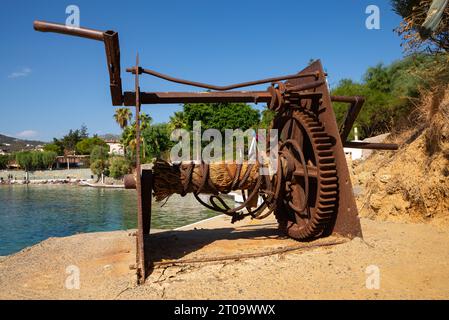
(82, 177)
(43, 181)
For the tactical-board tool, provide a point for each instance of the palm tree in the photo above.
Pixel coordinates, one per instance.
(178, 121)
(122, 116)
(145, 121)
(129, 133)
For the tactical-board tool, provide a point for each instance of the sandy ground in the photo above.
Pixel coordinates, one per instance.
(412, 259)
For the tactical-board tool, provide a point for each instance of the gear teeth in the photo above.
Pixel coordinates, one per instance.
(327, 192)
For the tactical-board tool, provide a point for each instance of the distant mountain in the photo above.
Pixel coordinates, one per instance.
(10, 144)
(109, 136)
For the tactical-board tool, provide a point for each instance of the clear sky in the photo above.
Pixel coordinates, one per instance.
(51, 83)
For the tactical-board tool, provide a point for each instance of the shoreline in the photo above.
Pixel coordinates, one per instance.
(107, 263)
(78, 182)
(75, 176)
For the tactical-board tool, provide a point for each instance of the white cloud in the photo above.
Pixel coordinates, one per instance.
(27, 134)
(24, 72)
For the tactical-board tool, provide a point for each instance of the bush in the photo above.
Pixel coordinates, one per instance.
(4, 160)
(99, 153)
(118, 167)
(391, 92)
(99, 163)
(99, 167)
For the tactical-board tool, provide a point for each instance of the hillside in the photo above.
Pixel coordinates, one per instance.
(11, 144)
(411, 184)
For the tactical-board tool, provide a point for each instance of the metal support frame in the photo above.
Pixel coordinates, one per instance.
(347, 222)
(144, 224)
(355, 105)
(308, 84)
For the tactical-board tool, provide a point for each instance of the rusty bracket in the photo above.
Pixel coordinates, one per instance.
(111, 44)
(355, 106)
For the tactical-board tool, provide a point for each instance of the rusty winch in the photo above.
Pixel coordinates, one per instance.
(310, 193)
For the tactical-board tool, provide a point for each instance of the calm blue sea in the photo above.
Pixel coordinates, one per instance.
(30, 214)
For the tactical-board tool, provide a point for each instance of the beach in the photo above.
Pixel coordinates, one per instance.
(330, 268)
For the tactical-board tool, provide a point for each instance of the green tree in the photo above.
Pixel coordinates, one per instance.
(391, 90)
(177, 121)
(4, 161)
(157, 140)
(100, 169)
(36, 160)
(99, 161)
(86, 145)
(70, 140)
(25, 161)
(56, 146)
(221, 116)
(376, 115)
(122, 116)
(83, 133)
(118, 167)
(99, 153)
(48, 159)
(267, 117)
(145, 121)
(128, 139)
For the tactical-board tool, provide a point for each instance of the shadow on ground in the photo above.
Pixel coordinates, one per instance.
(173, 245)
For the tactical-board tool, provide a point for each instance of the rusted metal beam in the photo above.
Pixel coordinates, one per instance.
(147, 189)
(112, 47)
(205, 97)
(197, 97)
(222, 88)
(111, 44)
(356, 104)
(140, 243)
(369, 145)
(44, 26)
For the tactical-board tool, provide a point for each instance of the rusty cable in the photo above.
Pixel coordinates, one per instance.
(169, 263)
(280, 98)
(156, 74)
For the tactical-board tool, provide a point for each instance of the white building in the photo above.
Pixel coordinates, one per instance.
(115, 148)
(354, 153)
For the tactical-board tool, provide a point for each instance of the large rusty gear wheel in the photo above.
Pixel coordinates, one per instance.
(307, 204)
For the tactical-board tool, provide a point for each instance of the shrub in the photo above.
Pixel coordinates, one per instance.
(99, 153)
(118, 167)
(4, 160)
(99, 167)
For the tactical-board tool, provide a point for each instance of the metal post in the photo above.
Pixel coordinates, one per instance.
(147, 187)
(140, 243)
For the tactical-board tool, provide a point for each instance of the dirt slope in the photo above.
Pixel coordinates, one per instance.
(411, 184)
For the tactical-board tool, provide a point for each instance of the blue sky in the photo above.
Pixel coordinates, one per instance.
(51, 83)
